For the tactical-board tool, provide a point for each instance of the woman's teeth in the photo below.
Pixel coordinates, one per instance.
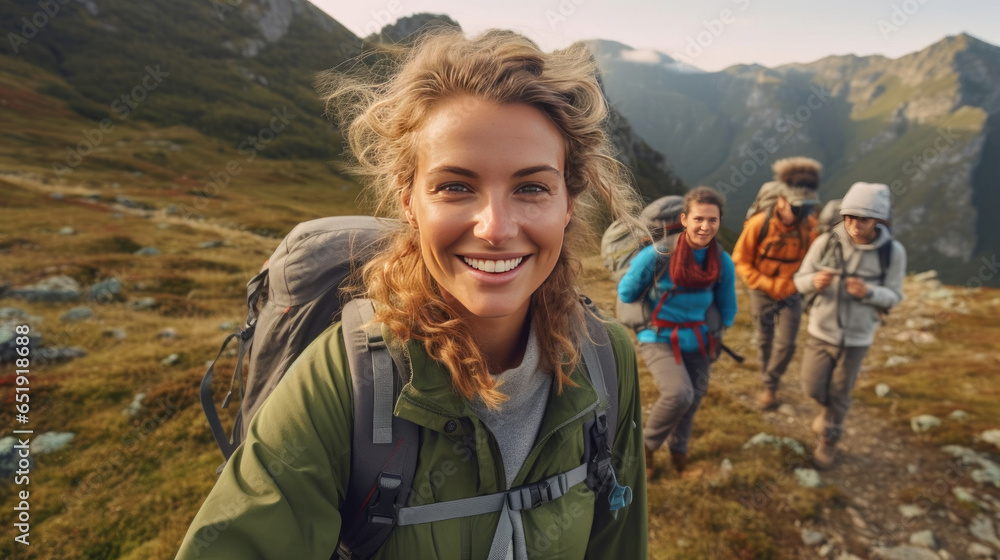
(493, 266)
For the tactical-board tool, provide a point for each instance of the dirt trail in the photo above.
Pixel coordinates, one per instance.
(893, 482)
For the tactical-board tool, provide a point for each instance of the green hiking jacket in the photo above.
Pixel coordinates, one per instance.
(278, 497)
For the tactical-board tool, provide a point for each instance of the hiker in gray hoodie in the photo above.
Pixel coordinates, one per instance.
(851, 275)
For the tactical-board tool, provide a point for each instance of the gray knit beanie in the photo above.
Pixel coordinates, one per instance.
(867, 200)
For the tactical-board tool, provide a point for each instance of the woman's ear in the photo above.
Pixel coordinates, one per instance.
(684, 220)
(408, 210)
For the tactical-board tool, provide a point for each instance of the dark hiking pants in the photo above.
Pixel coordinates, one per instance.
(828, 375)
(777, 324)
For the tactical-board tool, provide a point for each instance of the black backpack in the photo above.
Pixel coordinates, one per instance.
(293, 299)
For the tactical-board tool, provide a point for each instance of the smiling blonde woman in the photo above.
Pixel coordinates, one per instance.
(493, 155)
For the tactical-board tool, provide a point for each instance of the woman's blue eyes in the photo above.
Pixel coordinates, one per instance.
(530, 188)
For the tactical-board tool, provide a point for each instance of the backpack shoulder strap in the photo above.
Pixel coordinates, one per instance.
(884, 259)
(384, 447)
(599, 362)
(763, 229)
(599, 439)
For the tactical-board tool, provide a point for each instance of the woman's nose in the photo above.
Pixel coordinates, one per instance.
(495, 222)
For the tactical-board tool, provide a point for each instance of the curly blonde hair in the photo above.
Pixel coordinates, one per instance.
(384, 119)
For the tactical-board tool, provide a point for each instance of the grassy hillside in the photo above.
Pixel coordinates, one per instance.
(127, 486)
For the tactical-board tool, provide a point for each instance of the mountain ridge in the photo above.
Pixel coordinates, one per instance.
(924, 123)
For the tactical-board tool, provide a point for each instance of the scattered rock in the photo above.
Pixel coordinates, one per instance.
(925, 539)
(786, 409)
(982, 528)
(918, 338)
(77, 314)
(808, 478)
(896, 361)
(924, 422)
(812, 538)
(147, 252)
(925, 276)
(55, 288)
(775, 441)
(9, 457)
(12, 313)
(991, 436)
(909, 511)
(847, 556)
(135, 407)
(882, 390)
(977, 550)
(105, 291)
(143, 304)
(940, 293)
(958, 415)
(171, 359)
(912, 469)
(920, 323)
(905, 553)
(58, 354)
(168, 333)
(50, 442)
(117, 334)
(826, 550)
(989, 473)
(211, 244)
(67, 231)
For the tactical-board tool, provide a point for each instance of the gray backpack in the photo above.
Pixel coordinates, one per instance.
(293, 299)
(619, 244)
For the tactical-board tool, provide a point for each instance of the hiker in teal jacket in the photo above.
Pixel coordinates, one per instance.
(486, 148)
(677, 348)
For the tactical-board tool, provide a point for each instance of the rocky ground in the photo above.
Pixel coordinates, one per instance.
(902, 496)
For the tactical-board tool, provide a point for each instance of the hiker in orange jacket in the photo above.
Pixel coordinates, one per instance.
(768, 253)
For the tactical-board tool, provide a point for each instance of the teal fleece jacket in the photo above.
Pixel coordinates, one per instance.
(682, 307)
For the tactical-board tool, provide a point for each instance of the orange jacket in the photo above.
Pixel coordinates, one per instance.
(770, 265)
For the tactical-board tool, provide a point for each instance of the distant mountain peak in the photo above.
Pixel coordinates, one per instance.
(619, 51)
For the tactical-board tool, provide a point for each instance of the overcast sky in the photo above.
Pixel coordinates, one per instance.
(711, 34)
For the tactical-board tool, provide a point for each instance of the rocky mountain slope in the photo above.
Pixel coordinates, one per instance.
(231, 79)
(925, 124)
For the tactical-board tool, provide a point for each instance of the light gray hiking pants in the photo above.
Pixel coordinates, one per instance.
(828, 375)
(777, 325)
(681, 386)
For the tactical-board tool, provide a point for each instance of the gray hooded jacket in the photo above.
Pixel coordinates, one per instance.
(836, 316)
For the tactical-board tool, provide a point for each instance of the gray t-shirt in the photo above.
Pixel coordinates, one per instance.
(515, 425)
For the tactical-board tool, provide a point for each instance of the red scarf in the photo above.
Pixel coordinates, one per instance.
(685, 270)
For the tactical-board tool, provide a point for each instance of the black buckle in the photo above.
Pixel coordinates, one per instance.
(540, 493)
(599, 470)
(382, 509)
